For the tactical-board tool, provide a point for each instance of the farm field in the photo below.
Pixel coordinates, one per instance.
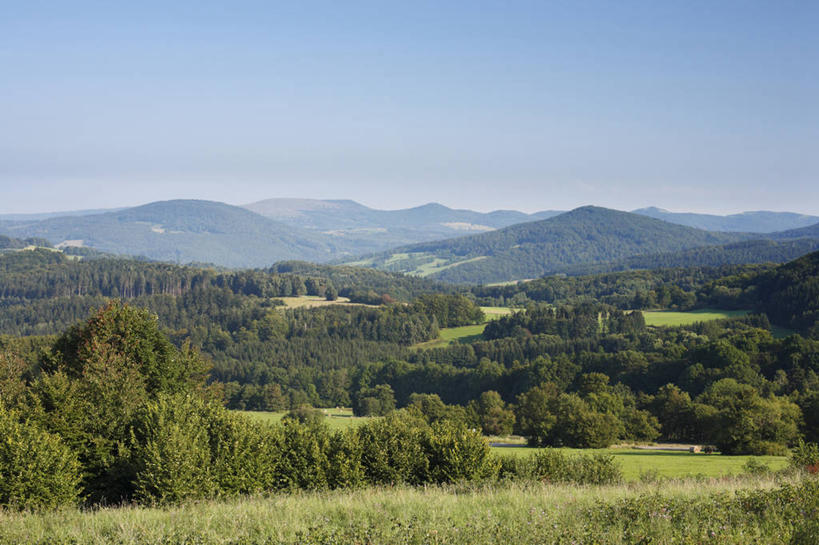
(313, 301)
(337, 419)
(703, 511)
(637, 462)
(672, 318)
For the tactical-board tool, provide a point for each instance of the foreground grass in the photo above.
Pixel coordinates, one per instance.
(671, 318)
(638, 463)
(694, 511)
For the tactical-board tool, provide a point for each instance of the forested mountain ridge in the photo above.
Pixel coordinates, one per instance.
(186, 231)
(583, 236)
(746, 222)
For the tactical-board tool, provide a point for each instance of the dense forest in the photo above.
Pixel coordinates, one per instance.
(577, 346)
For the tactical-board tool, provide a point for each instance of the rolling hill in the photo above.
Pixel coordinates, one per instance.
(373, 230)
(583, 236)
(186, 231)
(745, 222)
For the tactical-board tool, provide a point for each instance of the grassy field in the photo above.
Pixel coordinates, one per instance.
(698, 511)
(637, 462)
(337, 419)
(493, 313)
(671, 318)
(467, 333)
(312, 301)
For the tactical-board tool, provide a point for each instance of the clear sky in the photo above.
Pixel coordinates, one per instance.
(705, 106)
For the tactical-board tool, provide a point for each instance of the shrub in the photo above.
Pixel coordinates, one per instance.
(345, 468)
(243, 453)
(172, 451)
(755, 466)
(805, 456)
(455, 453)
(554, 466)
(391, 450)
(301, 454)
(37, 471)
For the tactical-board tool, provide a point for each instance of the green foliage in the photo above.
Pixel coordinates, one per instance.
(171, 451)
(456, 454)
(450, 310)
(37, 470)
(302, 454)
(392, 451)
(805, 456)
(746, 423)
(243, 453)
(133, 335)
(555, 466)
(376, 401)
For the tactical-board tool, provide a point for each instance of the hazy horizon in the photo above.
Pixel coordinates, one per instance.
(695, 107)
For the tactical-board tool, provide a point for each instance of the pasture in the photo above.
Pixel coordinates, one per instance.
(314, 301)
(639, 463)
(673, 318)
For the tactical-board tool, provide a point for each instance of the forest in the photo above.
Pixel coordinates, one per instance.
(575, 345)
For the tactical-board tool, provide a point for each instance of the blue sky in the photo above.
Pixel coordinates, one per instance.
(703, 106)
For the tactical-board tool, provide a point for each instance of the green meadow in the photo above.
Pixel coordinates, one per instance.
(640, 463)
(673, 318)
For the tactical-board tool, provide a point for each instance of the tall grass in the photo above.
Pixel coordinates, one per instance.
(735, 510)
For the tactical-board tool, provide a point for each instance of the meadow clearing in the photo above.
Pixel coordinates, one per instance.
(674, 318)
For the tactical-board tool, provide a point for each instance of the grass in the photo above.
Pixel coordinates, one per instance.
(672, 318)
(337, 419)
(452, 335)
(467, 333)
(701, 511)
(636, 462)
(493, 313)
(313, 301)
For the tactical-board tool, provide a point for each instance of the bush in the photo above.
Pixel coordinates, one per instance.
(391, 450)
(301, 454)
(455, 454)
(554, 466)
(756, 467)
(243, 453)
(345, 467)
(172, 451)
(37, 471)
(805, 456)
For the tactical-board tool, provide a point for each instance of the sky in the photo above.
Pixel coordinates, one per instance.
(690, 106)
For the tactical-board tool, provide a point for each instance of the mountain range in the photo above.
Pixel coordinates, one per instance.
(426, 240)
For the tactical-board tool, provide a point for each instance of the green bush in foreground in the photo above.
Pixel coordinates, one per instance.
(37, 471)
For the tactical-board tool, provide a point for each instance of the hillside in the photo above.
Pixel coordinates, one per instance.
(746, 222)
(373, 230)
(583, 236)
(185, 231)
(735, 253)
(789, 294)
